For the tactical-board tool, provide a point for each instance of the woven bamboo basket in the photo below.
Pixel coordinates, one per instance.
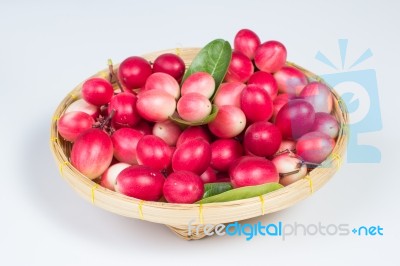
(178, 216)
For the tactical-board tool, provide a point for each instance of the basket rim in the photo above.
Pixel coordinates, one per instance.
(62, 159)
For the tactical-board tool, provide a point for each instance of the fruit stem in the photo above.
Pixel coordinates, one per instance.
(112, 74)
(314, 165)
(284, 152)
(289, 173)
(108, 119)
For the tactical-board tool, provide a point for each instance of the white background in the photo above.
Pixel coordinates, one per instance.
(47, 47)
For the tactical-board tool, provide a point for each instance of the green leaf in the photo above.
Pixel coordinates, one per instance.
(214, 59)
(242, 193)
(212, 189)
(175, 117)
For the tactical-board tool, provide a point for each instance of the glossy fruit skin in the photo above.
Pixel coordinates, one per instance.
(287, 146)
(141, 182)
(252, 171)
(152, 151)
(199, 82)
(246, 42)
(194, 107)
(266, 81)
(278, 103)
(155, 105)
(72, 124)
(315, 147)
(295, 119)
(125, 141)
(194, 132)
(97, 91)
(183, 187)
(256, 104)
(270, 56)
(224, 152)
(145, 127)
(170, 64)
(229, 122)
(209, 176)
(193, 156)
(92, 153)
(290, 80)
(262, 139)
(326, 123)
(126, 114)
(168, 131)
(319, 96)
(133, 72)
(229, 94)
(109, 177)
(287, 163)
(240, 68)
(162, 81)
(82, 106)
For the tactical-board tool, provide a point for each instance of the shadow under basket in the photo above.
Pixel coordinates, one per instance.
(178, 216)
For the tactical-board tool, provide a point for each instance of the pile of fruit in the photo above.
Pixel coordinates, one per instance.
(233, 121)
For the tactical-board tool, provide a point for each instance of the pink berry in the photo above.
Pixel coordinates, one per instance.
(97, 91)
(252, 171)
(109, 177)
(92, 153)
(72, 124)
(83, 106)
(125, 141)
(224, 152)
(262, 139)
(167, 131)
(290, 80)
(270, 56)
(229, 122)
(246, 42)
(170, 64)
(133, 72)
(193, 155)
(162, 81)
(194, 132)
(229, 94)
(256, 104)
(141, 182)
(240, 68)
(155, 105)
(194, 107)
(266, 81)
(153, 152)
(183, 187)
(124, 106)
(199, 82)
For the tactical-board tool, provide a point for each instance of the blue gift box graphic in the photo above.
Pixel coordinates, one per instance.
(371, 119)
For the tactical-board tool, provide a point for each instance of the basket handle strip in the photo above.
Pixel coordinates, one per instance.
(345, 128)
(140, 207)
(341, 104)
(310, 182)
(61, 167)
(73, 96)
(262, 204)
(93, 190)
(336, 157)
